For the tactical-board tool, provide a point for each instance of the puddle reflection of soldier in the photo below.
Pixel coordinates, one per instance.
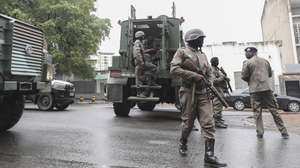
(219, 82)
(195, 104)
(257, 71)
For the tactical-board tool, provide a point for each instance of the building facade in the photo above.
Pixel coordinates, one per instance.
(280, 21)
(101, 61)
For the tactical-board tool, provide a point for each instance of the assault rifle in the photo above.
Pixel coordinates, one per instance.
(226, 80)
(189, 65)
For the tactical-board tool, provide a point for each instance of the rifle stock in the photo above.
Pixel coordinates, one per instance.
(189, 65)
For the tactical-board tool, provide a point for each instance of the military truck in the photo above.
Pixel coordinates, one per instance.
(24, 67)
(166, 37)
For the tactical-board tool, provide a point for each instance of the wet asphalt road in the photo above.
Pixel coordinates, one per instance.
(89, 135)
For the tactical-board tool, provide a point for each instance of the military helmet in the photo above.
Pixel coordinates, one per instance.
(139, 34)
(193, 34)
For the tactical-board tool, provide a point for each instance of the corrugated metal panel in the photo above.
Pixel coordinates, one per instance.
(23, 63)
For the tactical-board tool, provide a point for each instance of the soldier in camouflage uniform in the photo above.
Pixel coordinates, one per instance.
(145, 71)
(201, 108)
(138, 55)
(257, 71)
(219, 82)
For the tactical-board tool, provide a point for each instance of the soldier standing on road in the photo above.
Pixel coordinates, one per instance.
(219, 82)
(257, 71)
(201, 108)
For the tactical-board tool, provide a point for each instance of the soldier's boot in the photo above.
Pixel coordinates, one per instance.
(139, 93)
(285, 135)
(210, 159)
(183, 147)
(220, 124)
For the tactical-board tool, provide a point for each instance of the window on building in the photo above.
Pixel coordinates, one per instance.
(297, 32)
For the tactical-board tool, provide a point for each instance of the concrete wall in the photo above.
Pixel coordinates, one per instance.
(276, 25)
(232, 55)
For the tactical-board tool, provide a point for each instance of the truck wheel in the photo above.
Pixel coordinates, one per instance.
(122, 109)
(146, 106)
(61, 107)
(11, 110)
(45, 101)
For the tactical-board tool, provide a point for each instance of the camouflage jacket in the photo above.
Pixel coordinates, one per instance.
(199, 58)
(257, 72)
(138, 53)
(218, 79)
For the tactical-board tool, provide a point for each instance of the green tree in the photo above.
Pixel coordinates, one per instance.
(72, 31)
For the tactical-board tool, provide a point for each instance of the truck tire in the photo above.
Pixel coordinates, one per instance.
(122, 109)
(61, 107)
(11, 111)
(45, 101)
(146, 106)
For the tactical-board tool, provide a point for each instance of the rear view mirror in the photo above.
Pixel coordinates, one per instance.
(275, 94)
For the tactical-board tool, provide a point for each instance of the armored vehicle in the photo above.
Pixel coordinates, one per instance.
(164, 35)
(24, 67)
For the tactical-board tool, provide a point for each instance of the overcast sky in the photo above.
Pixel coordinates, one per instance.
(221, 20)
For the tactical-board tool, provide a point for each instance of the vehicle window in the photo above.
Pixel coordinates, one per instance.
(144, 26)
(246, 91)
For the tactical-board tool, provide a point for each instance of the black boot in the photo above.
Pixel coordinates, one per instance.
(139, 93)
(210, 159)
(220, 124)
(183, 147)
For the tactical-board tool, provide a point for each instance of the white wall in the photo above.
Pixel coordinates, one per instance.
(277, 25)
(232, 55)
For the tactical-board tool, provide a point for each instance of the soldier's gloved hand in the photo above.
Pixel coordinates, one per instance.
(197, 77)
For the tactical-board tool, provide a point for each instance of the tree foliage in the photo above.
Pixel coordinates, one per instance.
(72, 31)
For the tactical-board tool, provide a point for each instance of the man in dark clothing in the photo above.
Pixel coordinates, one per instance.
(193, 94)
(257, 71)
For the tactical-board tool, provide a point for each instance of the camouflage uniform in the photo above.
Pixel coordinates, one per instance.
(138, 54)
(219, 84)
(257, 71)
(150, 67)
(202, 105)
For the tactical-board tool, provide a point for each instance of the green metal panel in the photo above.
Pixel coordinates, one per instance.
(21, 48)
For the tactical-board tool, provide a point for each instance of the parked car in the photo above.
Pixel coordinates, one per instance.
(240, 100)
(62, 94)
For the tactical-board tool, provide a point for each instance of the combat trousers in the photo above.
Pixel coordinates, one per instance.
(201, 109)
(266, 99)
(218, 108)
(139, 75)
